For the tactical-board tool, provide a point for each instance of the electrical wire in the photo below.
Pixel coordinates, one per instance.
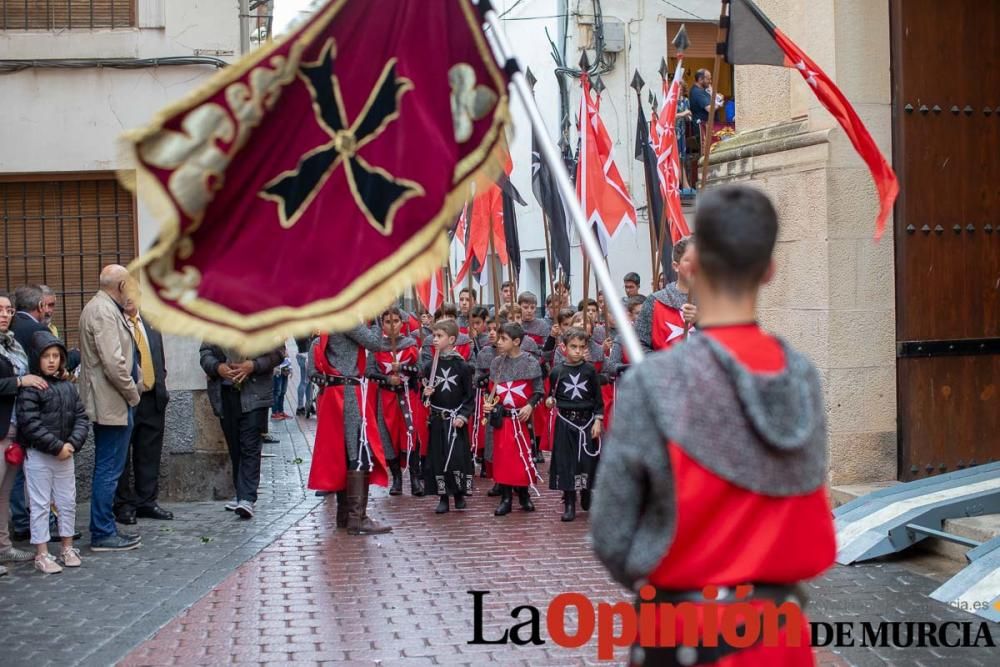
(10, 66)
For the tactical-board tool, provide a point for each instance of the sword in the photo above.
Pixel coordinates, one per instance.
(433, 377)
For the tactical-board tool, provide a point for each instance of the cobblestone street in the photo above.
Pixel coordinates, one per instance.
(287, 588)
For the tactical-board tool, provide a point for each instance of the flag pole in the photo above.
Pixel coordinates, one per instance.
(495, 272)
(550, 266)
(551, 155)
(706, 148)
(637, 84)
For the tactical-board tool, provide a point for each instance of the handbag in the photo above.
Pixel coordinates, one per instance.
(14, 454)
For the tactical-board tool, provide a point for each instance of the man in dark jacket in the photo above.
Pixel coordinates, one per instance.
(239, 389)
(146, 445)
(29, 318)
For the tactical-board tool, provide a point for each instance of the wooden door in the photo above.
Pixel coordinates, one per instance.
(946, 150)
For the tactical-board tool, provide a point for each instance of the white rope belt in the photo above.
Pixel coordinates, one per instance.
(581, 437)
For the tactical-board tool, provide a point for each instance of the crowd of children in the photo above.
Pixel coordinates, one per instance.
(472, 386)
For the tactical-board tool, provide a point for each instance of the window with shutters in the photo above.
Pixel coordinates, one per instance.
(61, 233)
(66, 14)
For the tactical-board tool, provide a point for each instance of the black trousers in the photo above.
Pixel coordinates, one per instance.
(243, 438)
(143, 459)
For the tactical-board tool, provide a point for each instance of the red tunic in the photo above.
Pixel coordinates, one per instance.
(726, 535)
(395, 421)
(667, 326)
(512, 464)
(328, 471)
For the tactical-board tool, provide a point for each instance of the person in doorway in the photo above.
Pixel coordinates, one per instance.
(670, 484)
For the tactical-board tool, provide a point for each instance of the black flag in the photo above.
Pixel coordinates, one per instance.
(644, 153)
(510, 195)
(544, 189)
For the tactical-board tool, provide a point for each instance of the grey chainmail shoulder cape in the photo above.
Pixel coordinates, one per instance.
(762, 432)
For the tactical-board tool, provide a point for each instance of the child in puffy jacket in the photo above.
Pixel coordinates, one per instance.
(52, 425)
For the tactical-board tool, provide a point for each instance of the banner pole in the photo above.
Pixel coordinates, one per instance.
(706, 145)
(550, 154)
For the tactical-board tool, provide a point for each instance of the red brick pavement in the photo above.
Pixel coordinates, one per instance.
(318, 595)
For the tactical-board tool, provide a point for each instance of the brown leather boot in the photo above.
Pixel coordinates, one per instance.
(341, 509)
(358, 522)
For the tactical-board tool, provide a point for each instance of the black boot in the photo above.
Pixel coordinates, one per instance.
(495, 491)
(524, 497)
(341, 509)
(358, 522)
(421, 482)
(413, 467)
(460, 501)
(536, 449)
(397, 478)
(505, 501)
(585, 500)
(569, 501)
(442, 505)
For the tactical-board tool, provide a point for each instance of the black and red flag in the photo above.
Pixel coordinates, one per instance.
(310, 183)
(754, 40)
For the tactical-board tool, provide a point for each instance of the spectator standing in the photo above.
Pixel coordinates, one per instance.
(146, 444)
(13, 376)
(239, 389)
(53, 427)
(109, 383)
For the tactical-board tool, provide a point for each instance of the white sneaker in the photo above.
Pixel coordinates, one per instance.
(15, 555)
(47, 564)
(232, 505)
(3, 570)
(245, 509)
(71, 557)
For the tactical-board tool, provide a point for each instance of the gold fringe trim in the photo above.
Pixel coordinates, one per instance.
(366, 296)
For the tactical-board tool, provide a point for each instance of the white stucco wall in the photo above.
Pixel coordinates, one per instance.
(69, 120)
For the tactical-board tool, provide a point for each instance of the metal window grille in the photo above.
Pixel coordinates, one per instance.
(61, 234)
(66, 14)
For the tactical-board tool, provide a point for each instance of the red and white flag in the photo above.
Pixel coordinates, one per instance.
(668, 164)
(599, 186)
(431, 291)
(753, 40)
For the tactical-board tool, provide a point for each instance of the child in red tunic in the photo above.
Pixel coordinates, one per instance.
(661, 323)
(713, 472)
(395, 373)
(516, 388)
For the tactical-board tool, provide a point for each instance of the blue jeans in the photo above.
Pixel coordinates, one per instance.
(280, 385)
(110, 452)
(305, 386)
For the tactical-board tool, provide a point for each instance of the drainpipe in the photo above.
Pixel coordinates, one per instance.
(244, 26)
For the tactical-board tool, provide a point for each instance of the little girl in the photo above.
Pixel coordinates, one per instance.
(53, 425)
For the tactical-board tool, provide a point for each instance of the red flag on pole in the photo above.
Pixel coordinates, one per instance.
(668, 163)
(431, 291)
(599, 186)
(754, 40)
(310, 183)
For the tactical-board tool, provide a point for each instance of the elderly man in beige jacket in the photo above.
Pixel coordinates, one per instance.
(110, 378)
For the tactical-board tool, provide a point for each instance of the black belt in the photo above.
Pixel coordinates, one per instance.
(577, 415)
(335, 380)
(680, 656)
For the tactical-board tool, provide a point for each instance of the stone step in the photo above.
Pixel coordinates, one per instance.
(979, 528)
